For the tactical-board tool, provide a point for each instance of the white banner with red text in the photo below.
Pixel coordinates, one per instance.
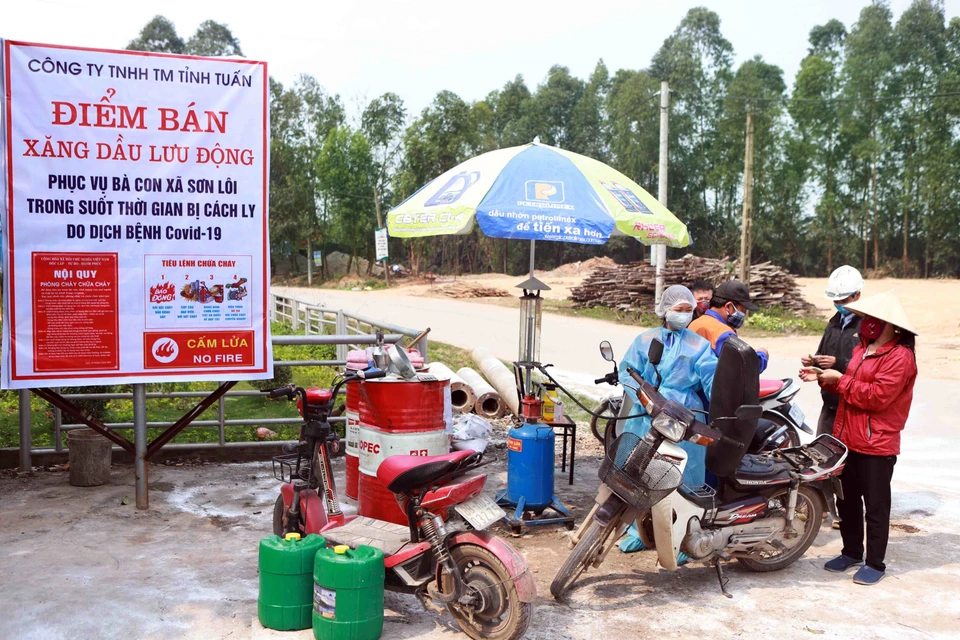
(135, 238)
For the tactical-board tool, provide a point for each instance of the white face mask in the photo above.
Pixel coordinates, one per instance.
(679, 319)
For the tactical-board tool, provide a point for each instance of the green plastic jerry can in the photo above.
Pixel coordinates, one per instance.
(348, 593)
(286, 581)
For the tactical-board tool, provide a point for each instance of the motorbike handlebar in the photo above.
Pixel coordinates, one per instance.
(371, 375)
(610, 378)
(280, 392)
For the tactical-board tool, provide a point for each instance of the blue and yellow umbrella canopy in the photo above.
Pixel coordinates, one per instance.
(537, 192)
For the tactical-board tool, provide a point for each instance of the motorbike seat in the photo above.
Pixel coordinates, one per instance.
(403, 473)
(769, 387)
(756, 470)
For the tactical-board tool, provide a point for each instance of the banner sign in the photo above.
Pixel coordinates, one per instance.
(135, 236)
(380, 235)
(318, 258)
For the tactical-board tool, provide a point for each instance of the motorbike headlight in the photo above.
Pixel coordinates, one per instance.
(669, 427)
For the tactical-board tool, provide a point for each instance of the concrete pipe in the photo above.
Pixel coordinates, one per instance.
(488, 403)
(462, 397)
(501, 378)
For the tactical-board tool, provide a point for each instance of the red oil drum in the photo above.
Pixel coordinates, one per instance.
(398, 417)
(356, 361)
(393, 404)
(353, 433)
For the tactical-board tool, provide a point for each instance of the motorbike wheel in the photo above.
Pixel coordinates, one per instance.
(501, 615)
(605, 431)
(595, 422)
(809, 512)
(278, 517)
(792, 435)
(582, 556)
(278, 528)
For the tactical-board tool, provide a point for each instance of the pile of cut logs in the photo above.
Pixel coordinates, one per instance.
(631, 287)
(462, 290)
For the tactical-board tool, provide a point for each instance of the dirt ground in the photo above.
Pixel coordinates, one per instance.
(77, 563)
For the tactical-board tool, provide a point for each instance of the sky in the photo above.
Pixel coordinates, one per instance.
(415, 49)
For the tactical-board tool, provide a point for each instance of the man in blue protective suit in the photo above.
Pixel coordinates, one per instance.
(686, 369)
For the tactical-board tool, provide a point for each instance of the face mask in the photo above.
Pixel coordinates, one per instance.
(679, 319)
(702, 307)
(736, 319)
(842, 310)
(871, 328)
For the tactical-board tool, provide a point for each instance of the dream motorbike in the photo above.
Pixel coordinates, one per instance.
(766, 511)
(779, 425)
(482, 580)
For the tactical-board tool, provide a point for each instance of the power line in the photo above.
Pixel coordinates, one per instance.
(929, 96)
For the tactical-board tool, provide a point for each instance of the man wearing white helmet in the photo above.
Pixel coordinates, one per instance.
(838, 341)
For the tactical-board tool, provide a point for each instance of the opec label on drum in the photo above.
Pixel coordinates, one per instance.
(375, 445)
(136, 236)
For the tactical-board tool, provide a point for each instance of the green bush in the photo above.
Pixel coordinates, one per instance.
(281, 376)
(96, 409)
(779, 320)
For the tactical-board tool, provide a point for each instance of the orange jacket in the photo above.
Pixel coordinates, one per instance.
(706, 326)
(716, 331)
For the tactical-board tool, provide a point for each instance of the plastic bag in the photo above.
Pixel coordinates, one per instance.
(470, 431)
(469, 426)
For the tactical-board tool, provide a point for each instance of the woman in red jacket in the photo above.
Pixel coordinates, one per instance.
(875, 396)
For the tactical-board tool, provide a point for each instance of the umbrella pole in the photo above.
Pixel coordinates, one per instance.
(533, 250)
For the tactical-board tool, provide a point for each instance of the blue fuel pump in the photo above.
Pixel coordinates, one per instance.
(530, 446)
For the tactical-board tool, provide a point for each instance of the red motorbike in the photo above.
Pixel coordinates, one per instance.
(480, 578)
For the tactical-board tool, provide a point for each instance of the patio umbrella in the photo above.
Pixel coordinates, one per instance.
(536, 192)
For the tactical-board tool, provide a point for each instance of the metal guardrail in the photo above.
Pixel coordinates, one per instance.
(314, 319)
(348, 331)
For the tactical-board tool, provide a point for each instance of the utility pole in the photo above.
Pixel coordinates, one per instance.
(746, 235)
(659, 251)
(309, 263)
(376, 202)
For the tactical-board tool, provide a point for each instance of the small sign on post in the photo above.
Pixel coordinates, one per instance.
(381, 239)
(318, 258)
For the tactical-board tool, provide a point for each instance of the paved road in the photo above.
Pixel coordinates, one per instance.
(569, 343)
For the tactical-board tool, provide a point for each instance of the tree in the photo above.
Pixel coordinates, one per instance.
(213, 39)
(382, 123)
(513, 121)
(553, 107)
(443, 136)
(588, 120)
(815, 110)
(866, 74)
(697, 60)
(159, 35)
(346, 173)
(301, 118)
(920, 135)
(778, 174)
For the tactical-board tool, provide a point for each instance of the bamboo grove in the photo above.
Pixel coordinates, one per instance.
(857, 158)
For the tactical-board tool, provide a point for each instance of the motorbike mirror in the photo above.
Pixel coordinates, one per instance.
(606, 351)
(655, 352)
(749, 412)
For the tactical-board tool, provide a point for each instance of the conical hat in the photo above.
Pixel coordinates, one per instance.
(883, 306)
